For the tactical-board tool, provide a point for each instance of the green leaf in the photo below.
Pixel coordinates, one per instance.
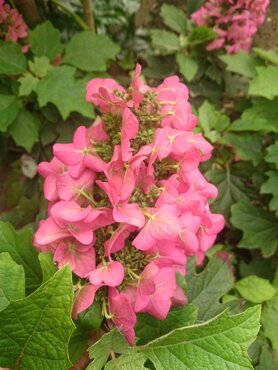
(113, 341)
(91, 318)
(9, 107)
(271, 187)
(266, 83)
(28, 83)
(268, 359)
(12, 278)
(212, 121)
(35, 331)
(247, 146)
(230, 187)
(242, 63)
(61, 88)
(205, 289)
(188, 66)
(259, 267)
(90, 52)
(130, 361)
(272, 154)
(165, 42)
(77, 345)
(45, 41)
(4, 302)
(193, 5)
(12, 60)
(270, 321)
(149, 328)
(220, 343)
(262, 116)
(19, 246)
(174, 18)
(259, 227)
(40, 66)
(255, 289)
(25, 129)
(201, 34)
(268, 55)
(47, 265)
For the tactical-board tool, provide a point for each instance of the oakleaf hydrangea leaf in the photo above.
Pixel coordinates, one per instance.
(268, 55)
(231, 189)
(12, 60)
(61, 88)
(28, 83)
(9, 107)
(90, 52)
(40, 66)
(248, 146)
(149, 327)
(270, 321)
(271, 187)
(130, 361)
(47, 265)
(45, 40)
(19, 245)
(112, 341)
(241, 63)
(272, 154)
(262, 116)
(35, 331)
(266, 83)
(212, 121)
(205, 289)
(165, 42)
(12, 278)
(188, 66)
(174, 18)
(219, 344)
(259, 227)
(255, 289)
(25, 129)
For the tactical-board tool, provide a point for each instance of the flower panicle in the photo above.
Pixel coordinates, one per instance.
(127, 202)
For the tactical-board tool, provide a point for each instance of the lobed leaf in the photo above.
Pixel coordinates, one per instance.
(35, 330)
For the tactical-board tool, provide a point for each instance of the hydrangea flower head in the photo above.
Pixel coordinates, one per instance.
(234, 21)
(128, 204)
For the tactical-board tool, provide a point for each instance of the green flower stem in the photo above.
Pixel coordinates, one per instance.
(76, 17)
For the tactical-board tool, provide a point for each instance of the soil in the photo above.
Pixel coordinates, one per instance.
(267, 37)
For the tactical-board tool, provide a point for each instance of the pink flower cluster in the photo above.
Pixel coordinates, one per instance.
(12, 25)
(234, 21)
(128, 203)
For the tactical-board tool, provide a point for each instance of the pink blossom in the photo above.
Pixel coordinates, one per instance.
(158, 227)
(51, 172)
(84, 298)
(69, 188)
(234, 24)
(80, 257)
(109, 273)
(154, 293)
(80, 154)
(100, 91)
(123, 316)
(127, 201)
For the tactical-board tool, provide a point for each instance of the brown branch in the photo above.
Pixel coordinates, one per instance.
(29, 11)
(88, 14)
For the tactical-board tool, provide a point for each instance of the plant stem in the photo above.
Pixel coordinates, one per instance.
(76, 17)
(89, 16)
